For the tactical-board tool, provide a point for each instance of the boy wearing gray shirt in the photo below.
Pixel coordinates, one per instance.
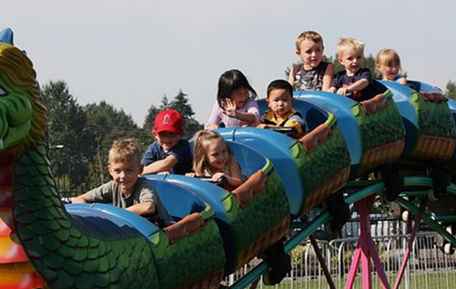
(126, 190)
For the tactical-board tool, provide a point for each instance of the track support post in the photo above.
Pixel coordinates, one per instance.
(366, 251)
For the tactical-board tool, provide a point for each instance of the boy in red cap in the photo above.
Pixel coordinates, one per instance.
(169, 153)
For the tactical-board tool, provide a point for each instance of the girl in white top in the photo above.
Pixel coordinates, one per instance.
(235, 105)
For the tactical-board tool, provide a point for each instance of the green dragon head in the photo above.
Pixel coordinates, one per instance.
(22, 115)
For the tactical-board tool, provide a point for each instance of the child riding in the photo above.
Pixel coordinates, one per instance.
(213, 159)
(280, 111)
(313, 73)
(235, 105)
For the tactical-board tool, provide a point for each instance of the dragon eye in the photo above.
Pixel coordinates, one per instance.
(3, 92)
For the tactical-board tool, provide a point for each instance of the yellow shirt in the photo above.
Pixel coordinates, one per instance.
(292, 119)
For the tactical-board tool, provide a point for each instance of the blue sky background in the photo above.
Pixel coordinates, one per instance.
(131, 53)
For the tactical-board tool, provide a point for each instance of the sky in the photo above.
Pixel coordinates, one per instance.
(131, 53)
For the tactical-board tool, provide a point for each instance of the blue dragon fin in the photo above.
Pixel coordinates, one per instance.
(6, 36)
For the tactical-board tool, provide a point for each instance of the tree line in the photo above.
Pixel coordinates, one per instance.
(79, 136)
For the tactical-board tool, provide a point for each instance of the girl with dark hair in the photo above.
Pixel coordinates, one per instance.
(235, 105)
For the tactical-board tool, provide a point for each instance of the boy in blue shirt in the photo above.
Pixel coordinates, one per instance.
(169, 153)
(355, 81)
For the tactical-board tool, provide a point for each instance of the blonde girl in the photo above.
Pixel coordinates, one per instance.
(213, 158)
(388, 64)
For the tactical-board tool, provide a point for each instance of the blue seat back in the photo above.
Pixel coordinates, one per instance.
(275, 147)
(423, 87)
(110, 221)
(341, 108)
(179, 201)
(401, 96)
(249, 160)
(311, 114)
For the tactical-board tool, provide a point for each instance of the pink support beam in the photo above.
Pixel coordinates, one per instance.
(353, 268)
(411, 228)
(366, 251)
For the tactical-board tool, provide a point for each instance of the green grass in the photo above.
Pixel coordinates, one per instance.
(429, 280)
